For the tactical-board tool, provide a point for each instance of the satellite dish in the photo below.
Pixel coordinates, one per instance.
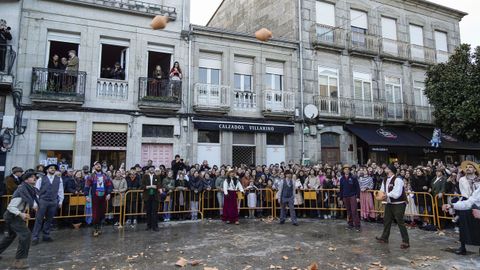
(310, 111)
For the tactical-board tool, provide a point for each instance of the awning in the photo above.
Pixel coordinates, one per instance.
(449, 143)
(380, 137)
(243, 126)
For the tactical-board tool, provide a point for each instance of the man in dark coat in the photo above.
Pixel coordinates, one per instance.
(152, 188)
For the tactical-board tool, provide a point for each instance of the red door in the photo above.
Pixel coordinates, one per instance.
(160, 154)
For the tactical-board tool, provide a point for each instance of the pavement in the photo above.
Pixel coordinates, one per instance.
(254, 244)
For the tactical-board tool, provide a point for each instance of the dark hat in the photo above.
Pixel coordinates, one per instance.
(137, 166)
(96, 162)
(51, 165)
(17, 169)
(85, 168)
(148, 167)
(392, 168)
(287, 172)
(28, 175)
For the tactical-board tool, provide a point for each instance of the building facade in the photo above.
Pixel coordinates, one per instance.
(233, 103)
(364, 65)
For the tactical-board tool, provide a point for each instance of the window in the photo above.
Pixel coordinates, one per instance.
(441, 45)
(416, 41)
(114, 60)
(241, 138)
(154, 131)
(274, 76)
(325, 18)
(208, 136)
(363, 104)
(243, 71)
(359, 24)
(328, 90)
(56, 140)
(389, 35)
(243, 82)
(419, 98)
(275, 139)
(394, 97)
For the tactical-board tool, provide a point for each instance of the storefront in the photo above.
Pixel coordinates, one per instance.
(109, 143)
(234, 141)
(56, 140)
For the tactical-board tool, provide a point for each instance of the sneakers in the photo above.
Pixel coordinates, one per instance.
(381, 240)
(134, 222)
(167, 220)
(128, 222)
(20, 264)
(116, 223)
(96, 233)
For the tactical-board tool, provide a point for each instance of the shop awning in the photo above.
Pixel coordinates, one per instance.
(377, 136)
(450, 142)
(237, 125)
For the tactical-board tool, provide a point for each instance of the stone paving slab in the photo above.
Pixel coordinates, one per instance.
(255, 244)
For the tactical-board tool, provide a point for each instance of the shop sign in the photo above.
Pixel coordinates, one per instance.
(244, 127)
(379, 149)
(386, 133)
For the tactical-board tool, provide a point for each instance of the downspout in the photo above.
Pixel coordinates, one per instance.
(189, 141)
(183, 14)
(300, 57)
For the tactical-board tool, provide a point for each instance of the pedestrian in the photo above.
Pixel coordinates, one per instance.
(15, 218)
(98, 187)
(395, 200)
(251, 191)
(13, 180)
(286, 197)
(51, 195)
(219, 187)
(119, 189)
(133, 197)
(367, 209)
(168, 185)
(196, 188)
(152, 188)
(350, 196)
(231, 186)
(181, 189)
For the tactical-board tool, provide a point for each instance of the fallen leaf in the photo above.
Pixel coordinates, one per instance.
(272, 266)
(313, 266)
(285, 258)
(195, 262)
(181, 262)
(298, 248)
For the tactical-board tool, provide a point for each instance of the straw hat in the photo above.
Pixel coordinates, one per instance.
(464, 164)
(346, 166)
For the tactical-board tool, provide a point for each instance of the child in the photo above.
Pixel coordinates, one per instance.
(411, 211)
(16, 216)
(251, 191)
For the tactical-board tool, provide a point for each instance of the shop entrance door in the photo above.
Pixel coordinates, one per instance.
(111, 157)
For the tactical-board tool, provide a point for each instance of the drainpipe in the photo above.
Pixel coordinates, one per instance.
(189, 89)
(300, 57)
(183, 14)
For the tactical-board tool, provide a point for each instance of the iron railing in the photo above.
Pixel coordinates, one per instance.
(58, 84)
(154, 90)
(7, 59)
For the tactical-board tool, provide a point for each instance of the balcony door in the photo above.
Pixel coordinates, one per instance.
(328, 101)
(363, 96)
(156, 82)
(274, 85)
(394, 98)
(389, 36)
(210, 79)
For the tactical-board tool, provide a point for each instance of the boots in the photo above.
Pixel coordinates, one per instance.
(20, 264)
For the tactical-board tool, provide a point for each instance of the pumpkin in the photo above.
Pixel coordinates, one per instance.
(263, 34)
(159, 22)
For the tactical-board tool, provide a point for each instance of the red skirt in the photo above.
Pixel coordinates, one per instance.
(98, 209)
(230, 208)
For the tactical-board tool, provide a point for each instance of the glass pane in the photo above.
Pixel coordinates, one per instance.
(398, 94)
(208, 136)
(388, 93)
(417, 97)
(278, 82)
(367, 91)
(237, 81)
(247, 83)
(323, 85)
(330, 140)
(268, 81)
(275, 139)
(202, 75)
(358, 89)
(333, 87)
(215, 77)
(244, 138)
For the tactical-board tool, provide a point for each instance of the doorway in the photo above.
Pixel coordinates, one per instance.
(110, 157)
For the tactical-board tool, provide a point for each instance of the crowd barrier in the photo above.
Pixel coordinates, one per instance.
(260, 200)
(130, 205)
(177, 202)
(445, 199)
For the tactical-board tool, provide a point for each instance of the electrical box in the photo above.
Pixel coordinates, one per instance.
(8, 121)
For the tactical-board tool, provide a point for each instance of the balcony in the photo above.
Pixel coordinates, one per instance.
(278, 103)
(7, 59)
(442, 56)
(328, 37)
(363, 44)
(131, 6)
(422, 54)
(112, 89)
(346, 108)
(58, 86)
(211, 98)
(159, 95)
(394, 49)
(244, 100)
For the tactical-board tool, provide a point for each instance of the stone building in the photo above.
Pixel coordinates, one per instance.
(364, 65)
(235, 102)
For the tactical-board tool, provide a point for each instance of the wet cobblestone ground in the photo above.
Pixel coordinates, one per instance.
(255, 244)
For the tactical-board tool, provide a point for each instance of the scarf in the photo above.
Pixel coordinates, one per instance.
(27, 193)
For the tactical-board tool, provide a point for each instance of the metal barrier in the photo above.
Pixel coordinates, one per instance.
(316, 200)
(446, 199)
(263, 200)
(178, 202)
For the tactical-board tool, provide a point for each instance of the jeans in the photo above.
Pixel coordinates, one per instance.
(167, 207)
(194, 209)
(291, 207)
(220, 201)
(46, 210)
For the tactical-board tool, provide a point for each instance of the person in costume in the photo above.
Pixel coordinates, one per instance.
(98, 187)
(286, 197)
(395, 200)
(230, 207)
(152, 187)
(15, 218)
(50, 193)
